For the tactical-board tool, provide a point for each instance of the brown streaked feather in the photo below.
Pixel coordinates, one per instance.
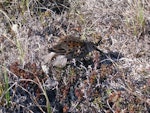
(73, 47)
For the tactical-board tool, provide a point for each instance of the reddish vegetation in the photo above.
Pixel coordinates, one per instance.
(105, 71)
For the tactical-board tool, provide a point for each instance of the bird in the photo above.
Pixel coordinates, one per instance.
(73, 47)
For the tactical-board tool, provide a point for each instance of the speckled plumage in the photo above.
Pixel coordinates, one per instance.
(73, 47)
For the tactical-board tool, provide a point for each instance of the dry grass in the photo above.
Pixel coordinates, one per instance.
(118, 81)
